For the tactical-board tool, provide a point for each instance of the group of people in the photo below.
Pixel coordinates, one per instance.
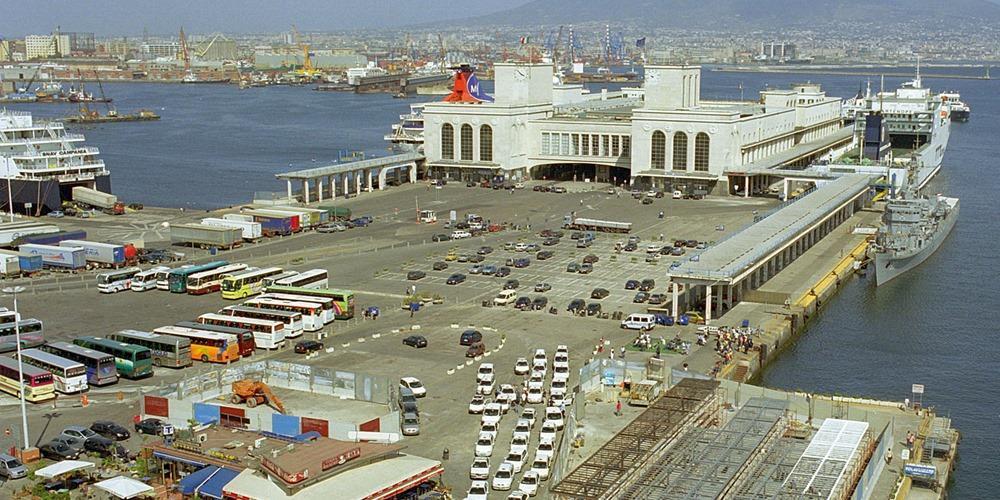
(731, 340)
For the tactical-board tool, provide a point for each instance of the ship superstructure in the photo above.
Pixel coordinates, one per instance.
(913, 229)
(408, 134)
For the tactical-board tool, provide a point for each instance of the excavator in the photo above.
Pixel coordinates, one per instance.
(253, 393)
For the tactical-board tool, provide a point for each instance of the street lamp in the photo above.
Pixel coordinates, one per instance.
(14, 290)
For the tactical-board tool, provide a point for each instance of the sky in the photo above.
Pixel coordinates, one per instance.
(130, 17)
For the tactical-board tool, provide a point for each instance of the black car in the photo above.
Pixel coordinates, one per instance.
(476, 258)
(590, 259)
(440, 237)
(640, 297)
(511, 285)
(522, 262)
(539, 303)
(593, 308)
(418, 341)
(522, 303)
(152, 426)
(647, 285)
(415, 275)
(544, 255)
(308, 346)
(575, 235)
(691, 243)
(58, 451)
(462, 225)
(111, 430)
(502, 272)
(572, 267)
(631, 285)
(576, 305)
(470, 184)
(440, 265)
(470, 337)
(666, 250)
(550, 241)
(99, 445)
(599, 293)
(455, 279)
(484, 250)
(647, 201)
(630, 247)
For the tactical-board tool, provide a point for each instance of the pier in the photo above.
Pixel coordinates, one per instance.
(365, 174)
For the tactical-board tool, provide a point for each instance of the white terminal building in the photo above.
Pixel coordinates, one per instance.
(663, 135)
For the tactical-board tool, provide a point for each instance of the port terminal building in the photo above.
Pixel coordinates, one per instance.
(663, 135)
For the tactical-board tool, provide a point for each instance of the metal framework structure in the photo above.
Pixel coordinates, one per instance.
(765, 478)
(704, 463)
(607, 469)
(821, 470)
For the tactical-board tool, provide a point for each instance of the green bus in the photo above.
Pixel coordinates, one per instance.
(343, 300)
(178, 278)
(132, 361)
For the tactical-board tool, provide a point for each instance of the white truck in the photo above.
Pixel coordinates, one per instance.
(251, 230)
(606, 226)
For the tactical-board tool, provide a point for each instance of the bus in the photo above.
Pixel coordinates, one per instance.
(177, 279)
(246, 343)
(163, 277)
(271, 280)
(292, 320)
(245, 284)
(132, 361)
(206, 346)
(116, 281)
(70, 377)
(168, 351)
(312, 313)
(146, 280)
(37, 383)
(31, 335)
(8, 316)
(210, 281)
(100, 365)
(343, 300)
(313, 278)
(325, 303)
(267, 334)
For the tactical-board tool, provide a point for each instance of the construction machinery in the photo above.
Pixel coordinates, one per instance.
(253, 393)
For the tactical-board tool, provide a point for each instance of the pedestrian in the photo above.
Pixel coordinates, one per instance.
(622, 353)
(685, 366)
(657, 351)
(888, 456)
(581, 202)
(611, 354)
(618, 408)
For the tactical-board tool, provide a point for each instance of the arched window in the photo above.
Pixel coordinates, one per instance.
(701, 142)
(466, 142)
(680, 151)
(447, 142)
(486, 143)
(658, 150)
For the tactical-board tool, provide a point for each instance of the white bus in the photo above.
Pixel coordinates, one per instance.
(312, 313)
(270, 280)
(146, 280)
(163, 277)
(69, 376)
(211, 280)
(8, 316)
(313, 278)
(245, 284)
(326, 303)
(116, 281)
(292, 320)
(266, 334)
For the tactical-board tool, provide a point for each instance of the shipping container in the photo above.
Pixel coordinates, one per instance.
(56, 256)
(102, 253)
(274, 224)
(238, 217)
(13, 231)
(53, 238)
(30, 263)
(94, 197)
(205, 236)
(303, 219)
(317, 216)
(337, 213)
(251, 230)
(10, 263)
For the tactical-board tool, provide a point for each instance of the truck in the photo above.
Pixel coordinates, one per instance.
(316, 216)
(583, 224)
(10, 232)
(303, 219)
(251, 230)
(107, 254)
(337, 213)
(26, 263)
(56, 256)
(51, 238)
(10, 264)
(205, 236)
(105, 201)
(238, 217)
(274, 224)
(644, 392)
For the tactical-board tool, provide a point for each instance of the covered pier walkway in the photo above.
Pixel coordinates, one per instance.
(363, 175)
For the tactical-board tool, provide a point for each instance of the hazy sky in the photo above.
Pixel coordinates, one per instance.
(105, 17)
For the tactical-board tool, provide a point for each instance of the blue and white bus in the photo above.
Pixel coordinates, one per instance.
(100, 365)
(69, 376)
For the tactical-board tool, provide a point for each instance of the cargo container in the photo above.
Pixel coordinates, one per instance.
(251, 230)
(94, 197)
(274, 224)
(317, 216)
(101, 253)
(337, 213)
(52, 239)
(55, 256)
(29, 263)
(13, 231)
(205, 236)
(304, 219)
(10, 264)
(238, 217)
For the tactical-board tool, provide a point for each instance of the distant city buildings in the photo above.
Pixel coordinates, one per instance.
(154, 50)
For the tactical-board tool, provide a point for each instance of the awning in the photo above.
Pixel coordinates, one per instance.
(207, 482)
(191, 482)
(124, 487)
(173, 458)
(65, 467)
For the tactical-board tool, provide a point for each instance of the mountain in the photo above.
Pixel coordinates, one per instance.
(747, 14)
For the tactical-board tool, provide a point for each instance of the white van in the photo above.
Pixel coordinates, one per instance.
(639, 321)
(458, 234)
(505, 297)
(677, 195)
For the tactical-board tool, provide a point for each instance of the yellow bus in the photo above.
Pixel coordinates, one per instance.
(206, 346)
(38, 383)
(245, 284)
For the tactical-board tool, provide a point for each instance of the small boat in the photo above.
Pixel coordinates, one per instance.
(142, 115)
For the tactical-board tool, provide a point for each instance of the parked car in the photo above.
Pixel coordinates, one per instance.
(480, 469)
(572, 267)
(647, 201)
(599, 293)
(511, 284)
(151, 426)
(484, 445)
(413, 384)
(522, 263)
(410, 424)
(503, 478)
(542, 287)
(576, 305)
(440, 266)
(331, 227)
(476, 269)
(111, 430)
(657, 299)
(12, 468)
(529, 483)
(550, 242)
(640, 297)
(631, 285)
(521, 366)
(308, 346)
(470, 337)
(522, 303)
(58, 451)
(455, 279)
(502, 272)
(647, 285)
(477, 405)
(630, 247)
(415, 275)
(593, 308)
(476, 349)
(485, 250)
(476, 258)
(418, 341)
(539, 303)
(559, 190)
(586, 268)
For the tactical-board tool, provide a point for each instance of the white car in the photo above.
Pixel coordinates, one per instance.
(521, 366)
(520, 247)
(677, 195)
(507, 393)
(460, 235)
(560, 373)
(503, 478)
(478, 491)
(535, 395)
(484, 445)
(554, 414)
(558, 387)
(536, 381)
(548, 431)
(491, 414)
(546, 450)
(558, 401)
(528, 414)
(539, 358)
(490, 429)
(516, 459)
(477, 405)
(562, 349)
(560, 360)
(485, 373)
(480, 469)
(414, 385)
(519, 443)
(522, 429)
(529, 483)
(517, 495)
(485, 388)
(541, 467)
(518, 185)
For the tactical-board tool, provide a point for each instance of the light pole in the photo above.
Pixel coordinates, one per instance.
(14, 290)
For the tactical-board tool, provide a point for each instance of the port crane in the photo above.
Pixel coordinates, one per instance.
(307, 70)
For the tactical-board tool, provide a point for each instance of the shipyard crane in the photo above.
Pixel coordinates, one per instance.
(307, 70)
(442, 52)
(183, 52)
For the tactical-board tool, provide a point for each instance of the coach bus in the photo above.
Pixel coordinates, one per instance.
(312, 313)
(30, 331)
(178, 278)
(267, 334)
(116, 281)
(146, 280)
(326, 304)
(70, 377)
(100, 365)
(247, 345)
(292, 320)
(243, 285)
(132, 361)
(38, 385)
(343, 300)
(206, 346)
(210, 281)
(168, 351)
(313, 278)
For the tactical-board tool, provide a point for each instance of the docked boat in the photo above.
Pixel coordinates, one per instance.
(913, 229)
(143, 115)
(960, 111)
(408, 134)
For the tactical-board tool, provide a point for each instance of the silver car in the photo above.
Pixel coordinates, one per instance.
(12, 468)
(410, 425)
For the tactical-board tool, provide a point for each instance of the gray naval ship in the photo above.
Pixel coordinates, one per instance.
(913, 228)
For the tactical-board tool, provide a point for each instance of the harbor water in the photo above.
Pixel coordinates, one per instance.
(216, 145)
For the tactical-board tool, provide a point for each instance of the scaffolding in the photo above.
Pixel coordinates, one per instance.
(823, 470)
(706, 462)
(765, 478)
(681, 407)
